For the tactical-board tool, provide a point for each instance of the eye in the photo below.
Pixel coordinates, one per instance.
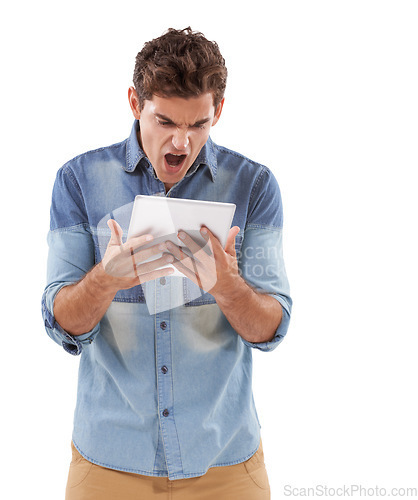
(164, 124)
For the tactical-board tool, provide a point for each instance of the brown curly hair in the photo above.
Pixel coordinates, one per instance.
(180, 63)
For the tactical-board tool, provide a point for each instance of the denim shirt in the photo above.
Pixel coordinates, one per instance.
(163, 392)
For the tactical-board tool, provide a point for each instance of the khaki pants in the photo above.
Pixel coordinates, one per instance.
(245, 481)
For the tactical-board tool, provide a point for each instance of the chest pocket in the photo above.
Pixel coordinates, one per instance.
(135, 294)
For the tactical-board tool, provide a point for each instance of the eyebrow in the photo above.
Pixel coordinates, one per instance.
(169, 120)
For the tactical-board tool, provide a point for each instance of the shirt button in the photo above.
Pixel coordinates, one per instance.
(164, 369)
(163, 325)
(166, 413)
(162, 281)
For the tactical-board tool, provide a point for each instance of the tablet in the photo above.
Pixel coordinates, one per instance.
(163, 217)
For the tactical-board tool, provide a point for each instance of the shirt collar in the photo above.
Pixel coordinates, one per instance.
(134, 154)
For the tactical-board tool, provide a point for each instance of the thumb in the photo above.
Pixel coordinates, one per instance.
(230, 242)
(116, 232)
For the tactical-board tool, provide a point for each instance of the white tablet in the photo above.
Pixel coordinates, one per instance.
(163, 217)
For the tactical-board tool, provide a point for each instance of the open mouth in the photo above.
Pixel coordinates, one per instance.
(174, 161)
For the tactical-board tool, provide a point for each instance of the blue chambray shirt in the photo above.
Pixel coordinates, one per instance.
(169, 393)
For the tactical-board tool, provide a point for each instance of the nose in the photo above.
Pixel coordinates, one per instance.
(180, 139)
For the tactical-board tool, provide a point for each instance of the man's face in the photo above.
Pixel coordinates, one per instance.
(173, 130)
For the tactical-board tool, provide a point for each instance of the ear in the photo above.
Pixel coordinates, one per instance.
(134, 102)
(218, 112)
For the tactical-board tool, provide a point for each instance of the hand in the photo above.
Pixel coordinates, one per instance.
(123, 263)
(216, 272)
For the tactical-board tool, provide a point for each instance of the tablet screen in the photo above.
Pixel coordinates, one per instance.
(163, 217)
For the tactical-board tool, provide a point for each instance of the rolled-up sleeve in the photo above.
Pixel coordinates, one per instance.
(70, 257)
(261, 259)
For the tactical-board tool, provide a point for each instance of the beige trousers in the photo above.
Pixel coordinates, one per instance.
(245, 481)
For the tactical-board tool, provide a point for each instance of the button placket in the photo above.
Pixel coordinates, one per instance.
(164, 376)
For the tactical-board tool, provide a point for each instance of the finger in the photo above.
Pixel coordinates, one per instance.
(189, 262)
(213, 242)
(124, 265)
(147, 267)
(133, 263)
(143, 254)
(129, 255)
(177, 251)
(115, 232)
(203, 281)
(137, 242)
(186, 271)
(196, 272)
(230, 242)
(153, 275)
(194, 247)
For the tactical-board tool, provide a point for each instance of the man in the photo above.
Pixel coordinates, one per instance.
(165, 406)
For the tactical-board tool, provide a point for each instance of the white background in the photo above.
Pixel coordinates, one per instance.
(325, 94)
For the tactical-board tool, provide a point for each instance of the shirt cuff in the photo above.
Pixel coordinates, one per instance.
(72, 344)
(281, 329)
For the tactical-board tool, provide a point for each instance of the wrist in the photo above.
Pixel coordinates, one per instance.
(103, 284)
(236, 292)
